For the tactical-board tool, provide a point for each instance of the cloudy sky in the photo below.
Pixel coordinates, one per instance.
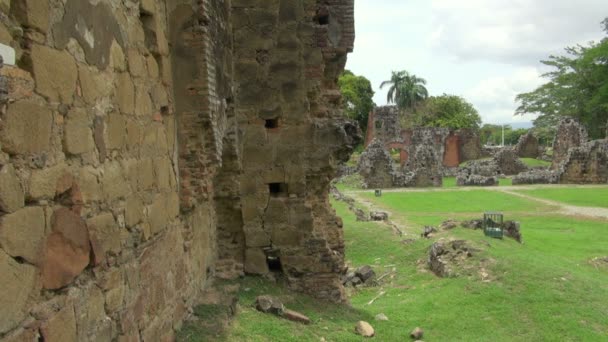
(484, 50)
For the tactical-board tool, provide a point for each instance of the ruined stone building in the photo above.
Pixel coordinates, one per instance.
(452, 147)
(148, 146)
(575, 159)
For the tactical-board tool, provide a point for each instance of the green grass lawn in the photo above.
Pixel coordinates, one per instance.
(541, 290)
(535, 162)
(587, 197)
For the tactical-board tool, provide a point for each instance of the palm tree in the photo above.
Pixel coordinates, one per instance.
(407, 90)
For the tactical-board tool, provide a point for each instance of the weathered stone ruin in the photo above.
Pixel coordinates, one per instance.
(570, 133)
(575, 160)
(527, 146)
(508, 162)
(425, 154)
(453, 146)
(149, 146)
(384, 124)
(485, 172)
(586, 164)
(377, 167)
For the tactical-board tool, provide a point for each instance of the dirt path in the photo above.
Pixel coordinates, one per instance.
(564, 209)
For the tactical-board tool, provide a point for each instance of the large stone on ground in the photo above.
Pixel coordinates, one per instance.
(296, 316)
(417, 333)
(17, 281)
(365, 273)
(11, 193)
(67, 249)
(22, 233)
(364, 329)
(56, 86)
(269, 304)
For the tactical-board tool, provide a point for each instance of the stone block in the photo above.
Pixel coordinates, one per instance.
(78, 136)
(113, 181)
(134, 211)
(125, 93)
(43, 183)
(56, 86)
(116, 131)
(67, 249)
(157, 214)
(22, 233)
(255, 261)
(137, 63)
(106, 231)
(26, 128)
(255, 236)
(117, 57)
(114, 299)
(60, 327)
(32, 13)
(88, 181)
(18, 281)
(93, 84)
(143, 102)
(11, 193)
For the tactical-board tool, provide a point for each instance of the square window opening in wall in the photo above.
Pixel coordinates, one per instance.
(378, 124)
(272, 123)
(277, 189)
(273, 260)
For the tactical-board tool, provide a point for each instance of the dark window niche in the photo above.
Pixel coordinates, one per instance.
(277, 189)
(323, 19)
(378, 124)
(272, 123)
(273, 261)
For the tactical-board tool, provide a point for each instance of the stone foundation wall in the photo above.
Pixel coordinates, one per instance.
(587, 164)
(527, 146)
(148, 145)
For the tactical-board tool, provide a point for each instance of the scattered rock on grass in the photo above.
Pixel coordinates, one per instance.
(364, 329)
(269, 304)
(445, 256)
(472, 224)
(417, 333)
(428, 231)
(449, 224)
(378, 216)
(381, 317)
(408, 241)
(361, 276)
(512, 230)
(296, 316)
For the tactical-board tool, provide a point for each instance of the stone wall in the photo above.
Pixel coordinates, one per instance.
(586, 164)
(289, 55)
(148, 145)
(527, 146)
(386, 125)
(426, 149)
(570, 133)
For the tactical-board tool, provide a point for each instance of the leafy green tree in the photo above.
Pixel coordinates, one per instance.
(578, 87)
(449, 111)
(357, 96)
(406, 90)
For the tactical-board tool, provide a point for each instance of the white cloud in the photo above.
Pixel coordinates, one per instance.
(514, 31)
(495, 97)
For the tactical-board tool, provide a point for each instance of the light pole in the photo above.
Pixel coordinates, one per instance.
(503, 136)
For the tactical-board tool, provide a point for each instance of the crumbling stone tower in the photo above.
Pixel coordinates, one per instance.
(148, 146)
